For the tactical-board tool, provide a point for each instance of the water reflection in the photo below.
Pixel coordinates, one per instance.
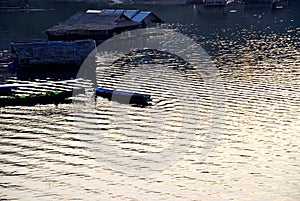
(256, 157)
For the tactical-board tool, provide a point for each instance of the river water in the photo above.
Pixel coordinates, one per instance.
(236, 138)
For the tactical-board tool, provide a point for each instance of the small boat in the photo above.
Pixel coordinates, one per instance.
(6, 90)
(9, 98)
(123, 97)
(37, 98)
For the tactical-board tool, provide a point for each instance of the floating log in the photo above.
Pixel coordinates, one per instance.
(51, 52)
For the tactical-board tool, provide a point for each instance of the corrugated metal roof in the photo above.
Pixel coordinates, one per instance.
(139, 17)
(134, 15)
(127, 13)
(130, 13)
(111, 11)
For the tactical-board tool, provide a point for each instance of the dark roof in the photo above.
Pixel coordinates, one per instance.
(135, 15)
(93, 22)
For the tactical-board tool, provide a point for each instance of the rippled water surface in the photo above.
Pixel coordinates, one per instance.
(52, 152)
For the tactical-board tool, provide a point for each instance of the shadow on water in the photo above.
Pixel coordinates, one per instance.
(49, 73)
(257, 54)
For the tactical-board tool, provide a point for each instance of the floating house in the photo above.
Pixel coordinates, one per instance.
(100, 25)
(70, 42)
(51, 52)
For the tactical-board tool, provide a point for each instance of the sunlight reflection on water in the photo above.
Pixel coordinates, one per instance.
(43, 157)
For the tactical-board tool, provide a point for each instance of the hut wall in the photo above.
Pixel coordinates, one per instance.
(80, 35)
(54, 52)
(98, 35)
